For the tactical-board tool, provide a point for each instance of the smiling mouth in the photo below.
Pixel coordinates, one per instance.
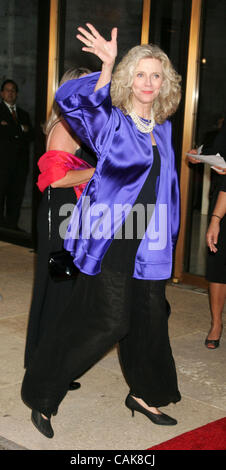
(147, 92)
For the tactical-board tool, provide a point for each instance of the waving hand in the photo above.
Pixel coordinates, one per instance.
(97, 45)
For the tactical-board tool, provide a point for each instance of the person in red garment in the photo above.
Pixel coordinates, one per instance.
(65, 168)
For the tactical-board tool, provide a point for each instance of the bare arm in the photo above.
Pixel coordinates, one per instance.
(105, 50)
(74, 178)
(61, 139)
(214, 226)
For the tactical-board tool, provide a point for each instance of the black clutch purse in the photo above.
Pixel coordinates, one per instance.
(60, 263)
(61, 266)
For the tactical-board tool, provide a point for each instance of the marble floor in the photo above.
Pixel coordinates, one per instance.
(95, 417)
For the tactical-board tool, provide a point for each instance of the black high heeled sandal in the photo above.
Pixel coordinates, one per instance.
(43, 425)
(161, 419)
(214, 342)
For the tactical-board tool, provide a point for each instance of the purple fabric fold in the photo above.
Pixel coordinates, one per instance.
(125, 157)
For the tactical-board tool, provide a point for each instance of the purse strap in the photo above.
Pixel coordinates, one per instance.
(49, 213)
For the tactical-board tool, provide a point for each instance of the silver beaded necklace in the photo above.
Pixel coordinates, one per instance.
(144, 126)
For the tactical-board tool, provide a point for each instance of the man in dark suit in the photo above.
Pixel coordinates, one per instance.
(16, 134)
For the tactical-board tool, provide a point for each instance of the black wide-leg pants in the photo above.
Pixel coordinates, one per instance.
(103, 310)
(145, 352)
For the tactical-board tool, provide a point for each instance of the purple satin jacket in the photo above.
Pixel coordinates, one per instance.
(125, 157)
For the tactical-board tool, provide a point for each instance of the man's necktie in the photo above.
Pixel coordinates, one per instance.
(13, 113)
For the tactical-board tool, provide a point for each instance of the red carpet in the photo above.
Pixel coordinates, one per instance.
(212, 436)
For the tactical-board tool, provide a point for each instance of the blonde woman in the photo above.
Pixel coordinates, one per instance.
(65, 169)
(58, 182)
(120, 291)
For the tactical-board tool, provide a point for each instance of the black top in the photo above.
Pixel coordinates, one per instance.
(218, 145)
(122, 251)
(87, 155)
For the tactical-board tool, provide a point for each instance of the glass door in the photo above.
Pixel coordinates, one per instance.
(210, 116)
(170, 31)
(17, 117)
(104, 15)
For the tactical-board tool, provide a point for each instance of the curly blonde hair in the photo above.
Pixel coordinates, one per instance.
(55, 114)
(170, 92)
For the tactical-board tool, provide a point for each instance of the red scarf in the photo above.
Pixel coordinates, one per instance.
(54, 165)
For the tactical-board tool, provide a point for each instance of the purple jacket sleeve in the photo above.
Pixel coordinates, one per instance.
(88, 113)
(175, 198)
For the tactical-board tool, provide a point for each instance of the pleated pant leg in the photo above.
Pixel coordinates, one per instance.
(145, 352)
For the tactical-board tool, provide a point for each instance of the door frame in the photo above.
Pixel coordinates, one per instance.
(190, 118)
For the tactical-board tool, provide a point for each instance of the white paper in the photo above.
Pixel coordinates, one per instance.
(213, 160)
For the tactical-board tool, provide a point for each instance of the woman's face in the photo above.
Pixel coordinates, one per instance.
(148, 78)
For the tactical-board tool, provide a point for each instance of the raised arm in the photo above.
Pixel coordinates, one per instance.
(86, 103)
(105, 50)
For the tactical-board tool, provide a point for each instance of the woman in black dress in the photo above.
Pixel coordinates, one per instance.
(216, 267)
(216, 264)
(119, 295)
(50, 297)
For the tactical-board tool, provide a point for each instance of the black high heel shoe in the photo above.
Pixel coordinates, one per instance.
(213, 343)
(161, 419)
(42, 424)
(74, 385)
